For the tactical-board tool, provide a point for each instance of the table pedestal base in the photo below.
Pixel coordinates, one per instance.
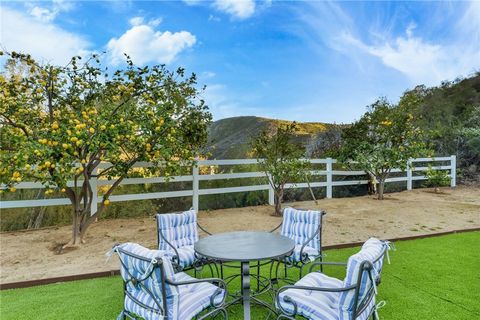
(245, 266)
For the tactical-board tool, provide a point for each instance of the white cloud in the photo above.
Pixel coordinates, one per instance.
(49, 14)
(421, 61)
(43, 14)
(136, 21)
(143, 44)
(240, 9)
(41, 39)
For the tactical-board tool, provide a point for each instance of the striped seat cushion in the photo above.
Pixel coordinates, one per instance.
(311, 254)
(370, 251)
(300, 225)
(150, 292)
(180, 229)
(318, 305)
(192, 299)
(195, 298)
(314, 304)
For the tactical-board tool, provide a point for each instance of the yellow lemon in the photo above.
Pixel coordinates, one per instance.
(103, 127)
(65, 146)
(13, 189)
(54, 126)
(106, 202)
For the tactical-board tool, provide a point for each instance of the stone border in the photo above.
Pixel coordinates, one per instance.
(101, 274)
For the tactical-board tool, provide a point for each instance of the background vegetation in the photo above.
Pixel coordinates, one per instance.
(450, 113)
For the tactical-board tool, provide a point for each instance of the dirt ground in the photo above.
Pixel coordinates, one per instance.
(29, 255)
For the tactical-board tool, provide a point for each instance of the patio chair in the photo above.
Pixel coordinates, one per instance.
(320, 297)
(177, 233)
(304, 227)
(153, 291)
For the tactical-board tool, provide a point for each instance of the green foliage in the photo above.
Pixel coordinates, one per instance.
(436, 178)
(280, 159)
(451, 112)
(384, 138)
(60, 123)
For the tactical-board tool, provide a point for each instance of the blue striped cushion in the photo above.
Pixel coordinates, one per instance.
(370, 250)
(180, 229)
(295, 256)
(300, 225)
(318, 305)
(192, 300)
(139, 269)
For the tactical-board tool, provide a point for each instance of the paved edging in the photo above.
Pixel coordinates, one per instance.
(101, 274)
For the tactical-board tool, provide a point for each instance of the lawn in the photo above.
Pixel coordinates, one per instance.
(434, 278)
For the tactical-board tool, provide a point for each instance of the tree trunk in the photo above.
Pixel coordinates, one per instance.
(381, 185)
(278, 202)
(76, 231)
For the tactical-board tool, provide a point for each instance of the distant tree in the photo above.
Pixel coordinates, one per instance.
(57, 124)
(384, 138)
(280, 159)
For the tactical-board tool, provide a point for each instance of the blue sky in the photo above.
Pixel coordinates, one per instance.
(305, 61)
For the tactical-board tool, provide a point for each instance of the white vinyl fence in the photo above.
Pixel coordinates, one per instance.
(196, 177)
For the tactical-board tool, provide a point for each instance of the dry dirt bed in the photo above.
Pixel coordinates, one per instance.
(28, 255)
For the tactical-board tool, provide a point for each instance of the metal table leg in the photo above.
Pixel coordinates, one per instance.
(246, 289)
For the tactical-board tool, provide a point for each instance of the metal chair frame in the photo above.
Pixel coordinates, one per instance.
(358, 306)
(199, 262)
(304, 257)
(213, 309)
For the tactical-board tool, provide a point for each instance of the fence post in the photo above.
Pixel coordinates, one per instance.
(195, 187)
(409, 174)
(453, 170)
(271, 192)
(329, 178)
(93, 184)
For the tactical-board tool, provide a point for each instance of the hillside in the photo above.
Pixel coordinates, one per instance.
(229, 138)
(449, 112)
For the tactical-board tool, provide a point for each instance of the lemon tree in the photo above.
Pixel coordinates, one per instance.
(57, 124)
(280, 158)
(384, 138)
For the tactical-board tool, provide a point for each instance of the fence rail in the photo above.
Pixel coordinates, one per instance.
(196, 177)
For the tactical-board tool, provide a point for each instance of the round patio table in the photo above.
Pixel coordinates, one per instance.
(244, 247)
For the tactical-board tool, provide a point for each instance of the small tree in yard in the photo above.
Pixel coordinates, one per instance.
(279, 158)
(436, 178)
(384, 138)
(59, 123)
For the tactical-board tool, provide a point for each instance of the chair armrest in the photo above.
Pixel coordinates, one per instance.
(176, 257)
(289, 300)
(276, 228)
(216, 281)
(317, 232)
(203, 229)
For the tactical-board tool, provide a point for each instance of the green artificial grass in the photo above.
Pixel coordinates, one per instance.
(434, 278)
